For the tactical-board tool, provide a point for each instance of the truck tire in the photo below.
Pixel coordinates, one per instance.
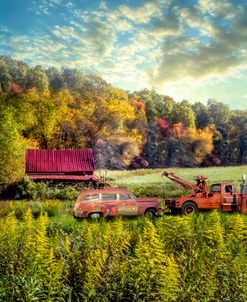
(189, 208)
(150, 213)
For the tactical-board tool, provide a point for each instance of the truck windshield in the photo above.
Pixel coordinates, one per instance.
(229, 189)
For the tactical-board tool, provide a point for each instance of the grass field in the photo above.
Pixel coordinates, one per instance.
(149, 181)
(153, 176)
(47, 255)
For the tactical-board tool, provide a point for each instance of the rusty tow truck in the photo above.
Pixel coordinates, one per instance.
(222, 196)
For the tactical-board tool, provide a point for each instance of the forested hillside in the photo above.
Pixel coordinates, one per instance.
(51, 108)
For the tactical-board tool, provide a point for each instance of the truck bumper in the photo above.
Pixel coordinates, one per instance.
(170, 203)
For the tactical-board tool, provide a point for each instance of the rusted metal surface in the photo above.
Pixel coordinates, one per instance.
(55, 161)
(114, 202)
(221, 196)
(199, 189)
(243, 190)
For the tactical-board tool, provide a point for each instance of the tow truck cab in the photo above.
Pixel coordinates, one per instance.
(226, 196)
(220, 196)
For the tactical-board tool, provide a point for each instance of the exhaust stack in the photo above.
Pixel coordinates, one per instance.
(243, 192)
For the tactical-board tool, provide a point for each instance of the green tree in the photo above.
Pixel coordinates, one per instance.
(12, 147)
(36, 77)
(56, 81)
(201, 115)
(183, 113)
(238, 137)
(220, 115)
(5, 76)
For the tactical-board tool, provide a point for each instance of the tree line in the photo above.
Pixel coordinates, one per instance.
(65, 108)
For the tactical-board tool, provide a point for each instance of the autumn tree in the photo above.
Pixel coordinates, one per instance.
(36, 77)
(56, 81)
(5, 77)
(202, 118)
(12, 147)
(220, 115)
(238, 137)
(184, 113)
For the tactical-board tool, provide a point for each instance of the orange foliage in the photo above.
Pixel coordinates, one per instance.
(16, 88)
(177, 129)
(31, 91)
(139, 105)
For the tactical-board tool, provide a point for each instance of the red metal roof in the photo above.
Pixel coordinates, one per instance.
(63, 177)
(59, 161)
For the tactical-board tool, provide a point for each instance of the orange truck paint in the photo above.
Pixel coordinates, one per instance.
(221, 196)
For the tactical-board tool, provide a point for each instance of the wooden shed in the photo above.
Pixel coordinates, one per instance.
(60, 165)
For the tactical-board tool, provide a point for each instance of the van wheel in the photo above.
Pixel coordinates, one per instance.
(150, 213)
(189, 208)
(95, 215)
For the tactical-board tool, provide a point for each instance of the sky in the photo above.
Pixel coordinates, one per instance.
(186, 49)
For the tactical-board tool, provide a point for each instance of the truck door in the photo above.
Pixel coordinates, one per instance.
(230, 198)
(215, 197)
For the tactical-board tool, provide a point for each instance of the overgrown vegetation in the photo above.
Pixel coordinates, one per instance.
(47, 255)
(195, 258)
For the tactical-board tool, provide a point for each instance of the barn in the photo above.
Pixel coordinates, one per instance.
(60, 165)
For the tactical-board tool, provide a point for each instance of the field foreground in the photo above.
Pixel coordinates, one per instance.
(197, 258)
(47, 255)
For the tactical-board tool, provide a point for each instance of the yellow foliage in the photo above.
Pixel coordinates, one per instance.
(120, 110)
(94, 267)
(201, 141)
(41, 240)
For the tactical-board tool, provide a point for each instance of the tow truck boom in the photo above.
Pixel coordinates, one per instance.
(197, 190)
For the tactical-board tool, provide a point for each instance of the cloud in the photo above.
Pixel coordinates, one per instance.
(192, 57)
(140, 14)
(221, 9)
(45, 7)
(167, 44)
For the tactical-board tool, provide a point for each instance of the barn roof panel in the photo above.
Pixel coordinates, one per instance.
(59, 161)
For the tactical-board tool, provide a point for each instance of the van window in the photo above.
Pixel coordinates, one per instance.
(108, 196)
(91, 197)
(124, 196)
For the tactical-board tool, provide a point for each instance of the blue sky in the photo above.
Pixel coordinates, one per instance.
(187, 49)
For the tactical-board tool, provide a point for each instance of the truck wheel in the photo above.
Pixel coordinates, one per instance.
(94, 215)
(189, 208)
(150, 213)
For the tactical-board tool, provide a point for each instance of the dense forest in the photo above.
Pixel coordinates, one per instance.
(51, 108)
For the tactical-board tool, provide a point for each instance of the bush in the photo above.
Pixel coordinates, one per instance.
(27, 189)
(192, 258)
